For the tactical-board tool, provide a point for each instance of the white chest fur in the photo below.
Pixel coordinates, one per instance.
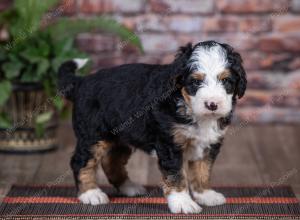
(200, 137)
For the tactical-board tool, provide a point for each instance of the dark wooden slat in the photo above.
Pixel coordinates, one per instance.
(236, 163)
(273, 149)
(253, 154)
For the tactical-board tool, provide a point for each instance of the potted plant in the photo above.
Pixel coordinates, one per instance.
(31, 51)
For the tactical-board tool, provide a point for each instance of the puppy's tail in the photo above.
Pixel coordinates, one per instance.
(67, 80)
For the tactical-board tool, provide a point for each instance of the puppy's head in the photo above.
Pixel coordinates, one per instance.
(213, 78)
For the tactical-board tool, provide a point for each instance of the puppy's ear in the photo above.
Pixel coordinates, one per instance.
(180, 64)
(236, 66)
(184, 53)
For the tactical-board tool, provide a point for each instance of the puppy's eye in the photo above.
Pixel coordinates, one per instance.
(196, 81)
(225, 80)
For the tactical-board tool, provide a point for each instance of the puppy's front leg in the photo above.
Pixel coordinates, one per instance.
(175, 185)
(199, 176)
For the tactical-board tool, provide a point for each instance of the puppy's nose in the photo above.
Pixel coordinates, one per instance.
(212, 106)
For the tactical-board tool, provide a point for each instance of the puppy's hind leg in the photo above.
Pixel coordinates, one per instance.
(84, 164)
(113, 164)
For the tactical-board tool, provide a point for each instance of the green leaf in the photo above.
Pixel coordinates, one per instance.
(77, 26)
(48, 87)
(42, 67)
(29, 75)
(64, 45)
(44, 117)
(32, 55)
(5, 91)
(43, 47)
(5, 123)
(39, 130)
(65, 113)
(31, 12)
(12, 70)
(58, 102)
(3, 55)
(40, 122)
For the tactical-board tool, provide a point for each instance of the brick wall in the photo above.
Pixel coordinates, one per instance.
(265, 32)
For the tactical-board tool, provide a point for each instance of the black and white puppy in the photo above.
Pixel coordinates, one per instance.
(180, 111)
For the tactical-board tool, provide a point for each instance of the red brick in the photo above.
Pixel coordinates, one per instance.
(129, 22)
(280, 43)
(266, 115)
(183, 23)
(280, 98)
(153, 59)
(241, 42)
(271, 44)
(292, 43)
(96, 42)
(129, 6)
(287, 24)
(293, 80)
(106, 61)
(257, 81)
(295, 6)
(265, 80)
(220, 24)
(167, 58)
(150, 22)
(182, 6)
(294, 64)
(107, 6)
(275, 61)
(196, 37)
(252, 60)
(252, 6)
(95, 6)
(126, 48)
(159, 43)
(5, 4)
(254, 25)
(68, 7)
(159, 6)
(255, 98)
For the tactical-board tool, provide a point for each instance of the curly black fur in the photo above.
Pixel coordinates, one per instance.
(136, 105)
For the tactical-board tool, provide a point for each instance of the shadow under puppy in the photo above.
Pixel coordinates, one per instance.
(180, 111)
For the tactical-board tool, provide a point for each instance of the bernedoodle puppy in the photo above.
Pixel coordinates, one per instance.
(179, 111)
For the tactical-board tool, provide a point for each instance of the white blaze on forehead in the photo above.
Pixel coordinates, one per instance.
(210, 60)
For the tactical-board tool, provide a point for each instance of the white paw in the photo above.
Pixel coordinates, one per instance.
(94, 197)
(209, 198)
(181, 202)
(129, 188)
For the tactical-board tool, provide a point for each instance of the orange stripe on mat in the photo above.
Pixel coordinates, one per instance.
(153, 200)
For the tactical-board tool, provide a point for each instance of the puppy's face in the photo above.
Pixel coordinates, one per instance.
(215, 77)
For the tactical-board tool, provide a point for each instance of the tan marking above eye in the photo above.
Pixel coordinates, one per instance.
(186, 97)
(198, 75)
(225, 74)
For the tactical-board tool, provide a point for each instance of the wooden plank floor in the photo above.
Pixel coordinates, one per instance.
(251, 155)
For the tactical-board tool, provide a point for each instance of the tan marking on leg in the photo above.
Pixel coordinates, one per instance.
(199, 174)
(114, 164)
(87, 175)
(176, 183)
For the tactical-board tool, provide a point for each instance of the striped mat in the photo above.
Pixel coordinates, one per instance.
(60, 202)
